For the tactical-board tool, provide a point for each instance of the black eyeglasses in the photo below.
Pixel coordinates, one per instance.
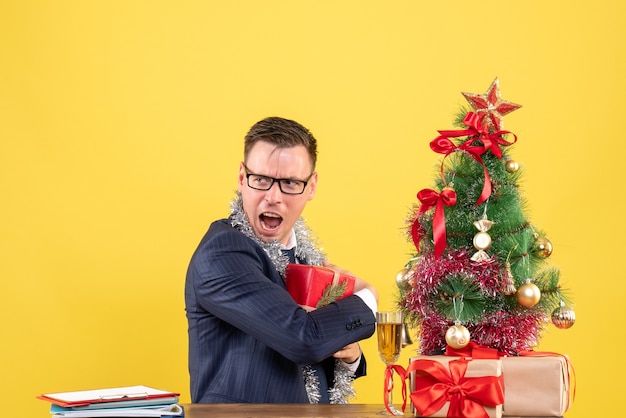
(287, 186)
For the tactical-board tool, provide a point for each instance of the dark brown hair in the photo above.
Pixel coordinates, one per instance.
(283, 133)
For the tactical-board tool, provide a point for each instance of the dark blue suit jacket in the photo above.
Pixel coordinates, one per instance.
(248, 339)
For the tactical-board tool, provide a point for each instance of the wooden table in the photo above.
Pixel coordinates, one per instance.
(282, 410)
(286, 411)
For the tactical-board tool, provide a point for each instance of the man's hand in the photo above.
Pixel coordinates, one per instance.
(349, 353)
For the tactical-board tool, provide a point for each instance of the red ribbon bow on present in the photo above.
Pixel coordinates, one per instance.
(491, 141)
(435, 385)
(430, 199)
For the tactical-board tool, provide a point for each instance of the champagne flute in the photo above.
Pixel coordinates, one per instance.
(389, 332)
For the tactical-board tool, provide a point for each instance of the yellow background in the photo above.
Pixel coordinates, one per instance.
(121, 126)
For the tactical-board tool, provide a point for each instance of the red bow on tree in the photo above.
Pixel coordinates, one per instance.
(491, 141)
(429, 199)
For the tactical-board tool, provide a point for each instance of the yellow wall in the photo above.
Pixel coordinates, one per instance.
(121, 126)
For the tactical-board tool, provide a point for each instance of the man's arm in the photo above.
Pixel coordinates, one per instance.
(234, 280)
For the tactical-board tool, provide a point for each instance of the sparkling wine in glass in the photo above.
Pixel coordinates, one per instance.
(389, 333)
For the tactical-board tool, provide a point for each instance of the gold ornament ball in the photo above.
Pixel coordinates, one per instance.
(402, 279)
(563, 317)
(482, 241)
(543, 247)
(511, 166)
(528, 294)
(457, 336)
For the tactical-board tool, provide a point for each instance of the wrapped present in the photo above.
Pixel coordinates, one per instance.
(444, 386)
(316, 286)
(536, 384)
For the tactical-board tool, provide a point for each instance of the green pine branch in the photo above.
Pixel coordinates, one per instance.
(459, 299)
(332, 293)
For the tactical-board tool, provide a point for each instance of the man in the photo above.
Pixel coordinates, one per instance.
(248, 340)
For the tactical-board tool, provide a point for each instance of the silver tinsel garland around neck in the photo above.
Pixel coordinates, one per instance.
(307, 250)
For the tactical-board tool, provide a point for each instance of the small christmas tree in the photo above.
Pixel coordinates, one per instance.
(480, 268)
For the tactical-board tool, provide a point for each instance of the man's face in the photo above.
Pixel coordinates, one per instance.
(272, 213)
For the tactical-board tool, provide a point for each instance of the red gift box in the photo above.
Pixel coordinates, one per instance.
(315, 286)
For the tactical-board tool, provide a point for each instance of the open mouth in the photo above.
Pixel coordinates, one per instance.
(270, 221)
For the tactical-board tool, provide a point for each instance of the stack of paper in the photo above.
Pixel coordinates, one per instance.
(130, 401)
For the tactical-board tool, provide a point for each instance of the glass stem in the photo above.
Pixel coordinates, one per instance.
(389, 392)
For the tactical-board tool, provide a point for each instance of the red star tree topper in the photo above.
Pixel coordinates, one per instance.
(491, 106)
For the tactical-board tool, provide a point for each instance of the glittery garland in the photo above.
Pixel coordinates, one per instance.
(342, 389)
(307, 250)
(311, 384)
(509, 330)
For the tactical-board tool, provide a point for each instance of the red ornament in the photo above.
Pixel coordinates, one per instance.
(491, 105)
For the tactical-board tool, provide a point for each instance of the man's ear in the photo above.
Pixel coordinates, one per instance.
(242, 177)
(312, 186)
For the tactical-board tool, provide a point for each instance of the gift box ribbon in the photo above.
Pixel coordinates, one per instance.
(474, 350)
(435, 385)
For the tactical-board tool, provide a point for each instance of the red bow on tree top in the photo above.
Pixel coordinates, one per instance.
(477, 131)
